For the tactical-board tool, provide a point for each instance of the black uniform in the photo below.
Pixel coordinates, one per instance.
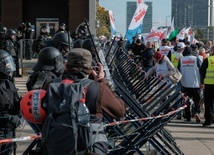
(28, 36)
(9, 103)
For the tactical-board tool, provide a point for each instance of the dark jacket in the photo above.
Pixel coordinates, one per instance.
(138, 49)
(147, 57)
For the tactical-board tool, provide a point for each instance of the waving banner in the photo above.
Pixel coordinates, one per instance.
(136, 22)
(181, 34)
(112, 25)
(139, 2)
(154, 36)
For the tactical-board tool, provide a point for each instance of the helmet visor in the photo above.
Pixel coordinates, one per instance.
(9, 64)
(59, 65)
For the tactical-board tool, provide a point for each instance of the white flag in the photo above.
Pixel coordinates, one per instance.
(171, 29)
(154, 36)
(112, 21)
(136, 22)
(181, 34)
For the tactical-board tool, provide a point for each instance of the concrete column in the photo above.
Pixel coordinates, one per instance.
(78, 11)
(211, 13)
(92, 16)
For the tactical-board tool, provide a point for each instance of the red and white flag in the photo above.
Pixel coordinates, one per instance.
(154, 36)
(188, 31)
(153, 29)
(195, 41)
(139, 1)
(181, 34)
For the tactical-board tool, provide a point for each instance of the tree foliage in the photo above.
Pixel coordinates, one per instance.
(104, 22)
(199, 34)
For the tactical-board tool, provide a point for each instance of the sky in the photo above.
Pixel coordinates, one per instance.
(161, 12)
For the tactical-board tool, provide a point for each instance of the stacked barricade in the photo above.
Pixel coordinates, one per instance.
(143, 99)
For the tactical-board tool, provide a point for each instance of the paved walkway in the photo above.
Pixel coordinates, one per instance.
(192, 138)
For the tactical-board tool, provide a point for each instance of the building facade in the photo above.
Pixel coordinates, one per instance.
(71, 12)
(194, 13)
(147, 21)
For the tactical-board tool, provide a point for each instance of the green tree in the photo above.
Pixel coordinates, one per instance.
(199, 34)
(104, 22)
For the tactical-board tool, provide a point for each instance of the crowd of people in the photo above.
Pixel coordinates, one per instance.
(194, 61)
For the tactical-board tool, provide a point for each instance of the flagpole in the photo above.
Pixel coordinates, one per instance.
(166, 18)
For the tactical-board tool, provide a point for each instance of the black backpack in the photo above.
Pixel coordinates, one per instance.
(68, 129)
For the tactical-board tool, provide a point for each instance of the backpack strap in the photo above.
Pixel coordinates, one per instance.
(58, 79)
(40, 81)
(85, 82)
(44, 78)
(91, 92)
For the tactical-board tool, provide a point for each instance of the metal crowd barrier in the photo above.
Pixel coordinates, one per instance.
(143, 98)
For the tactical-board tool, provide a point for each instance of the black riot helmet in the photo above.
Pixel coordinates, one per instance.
(45, 29)
(6, 63)
(28, 25)
(62, 25)
(10, 32)
(22, 26)
(88, 44)
(61, 42)
(3, 30)
(62, 39)
(50, 59)
(78, 43)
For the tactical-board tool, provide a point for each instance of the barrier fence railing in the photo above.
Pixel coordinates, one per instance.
(143, 98)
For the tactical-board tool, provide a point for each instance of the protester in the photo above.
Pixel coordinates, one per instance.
(147, 57)
(78, 67)
(175, 57)
(208, 47)
(189, 67)
(202, 53)
(207, 83)
(163, 67)
(164, 49)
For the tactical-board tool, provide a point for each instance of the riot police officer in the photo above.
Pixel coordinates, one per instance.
(62, 27)
(28, 36)
(3, 31)
(9, 103)
(50, 61)
(63, 42)
(41, 41)
(12, 47)
(48, 67)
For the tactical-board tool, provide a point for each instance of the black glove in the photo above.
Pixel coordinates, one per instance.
(13, 120)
